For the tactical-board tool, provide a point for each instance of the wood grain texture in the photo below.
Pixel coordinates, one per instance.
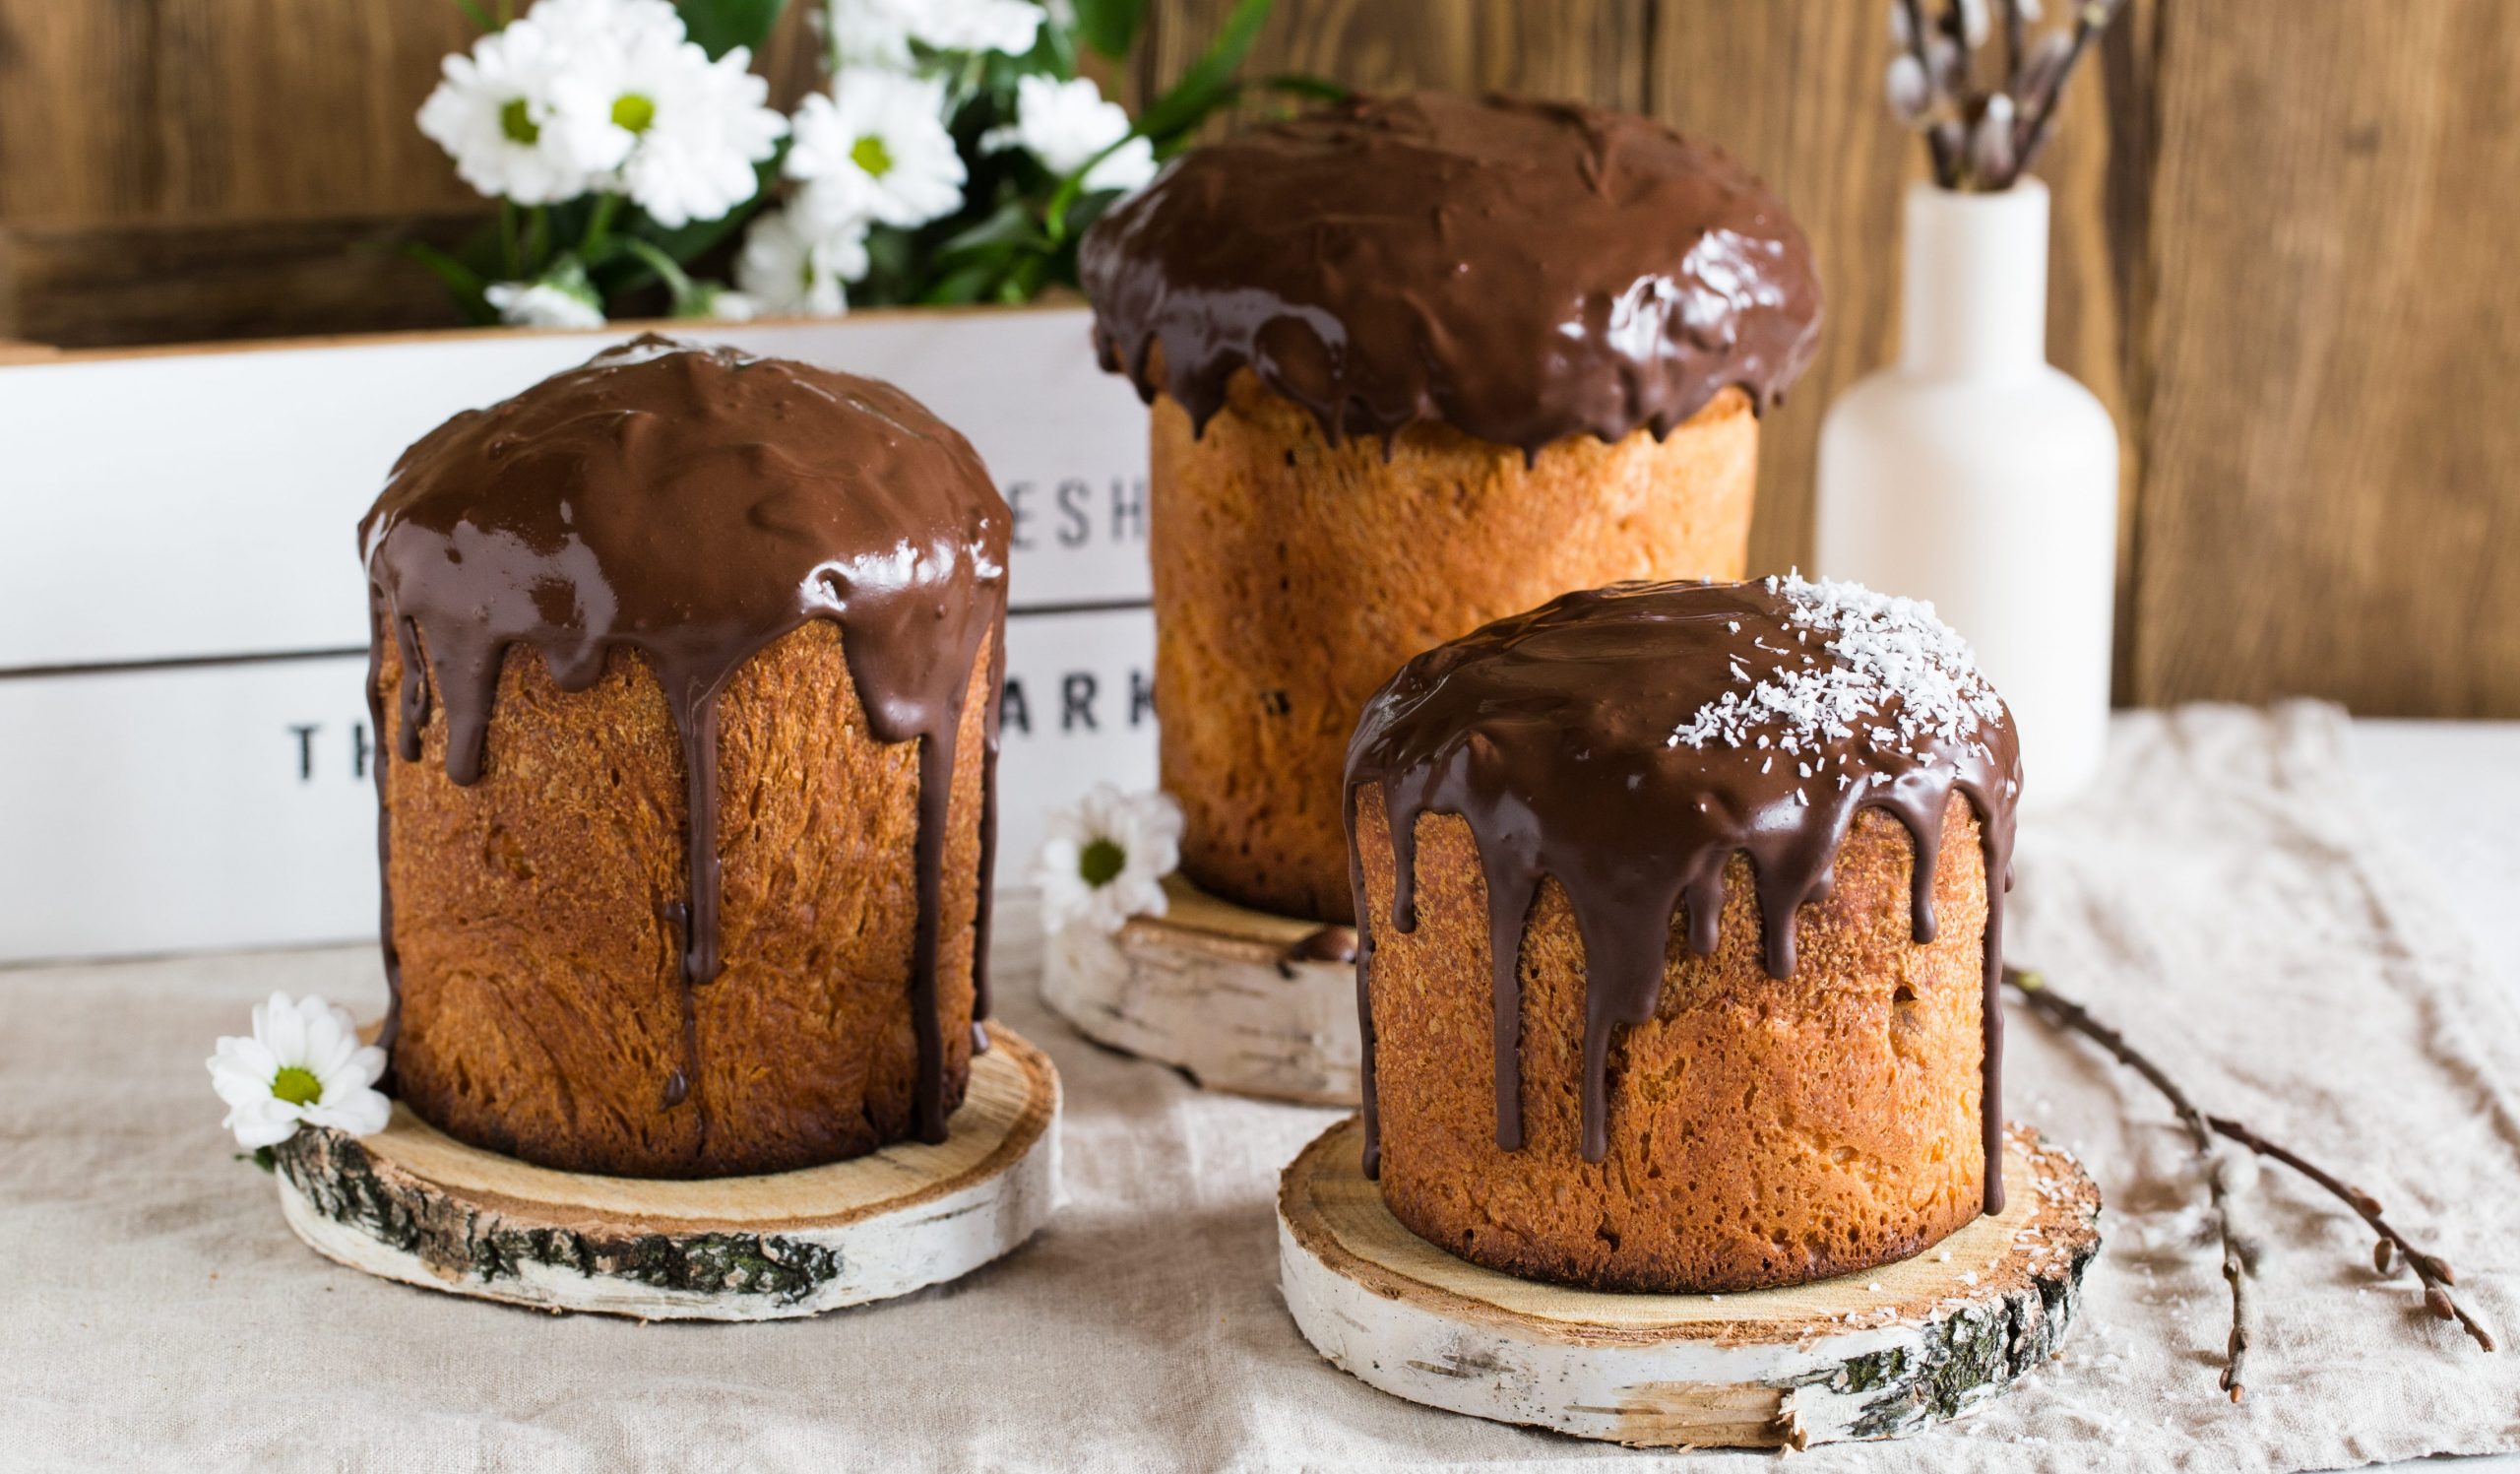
(1237, 1000)
(117, 283)
(2333, 440)
(1881, 1354)
(1793, 89)
(1592, 49)
(414, 1204)
(125, 110)
(2276, 256)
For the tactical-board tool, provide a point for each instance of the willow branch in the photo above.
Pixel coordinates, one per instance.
(2073, 1017)
(2432, 1270)
(2429, 1268)
(2091, 18)
(1946, 162)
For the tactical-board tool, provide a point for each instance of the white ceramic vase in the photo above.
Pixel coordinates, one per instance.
(1975, 474)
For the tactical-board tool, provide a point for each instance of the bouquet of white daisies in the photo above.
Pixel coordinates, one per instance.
(954, 154)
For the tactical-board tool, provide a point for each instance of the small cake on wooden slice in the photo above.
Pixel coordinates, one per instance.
(685, 678)
(1682, 925)
(1416, 363)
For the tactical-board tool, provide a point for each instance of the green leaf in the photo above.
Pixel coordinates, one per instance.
(1305, 85)
(721, 26)
(969, 285)
(1008, 225)
(1210, 79)
(473, 13)
(464, 282)
(1109, 27)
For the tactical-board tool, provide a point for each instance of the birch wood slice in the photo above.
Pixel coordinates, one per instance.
(1238, 999)
(1866, 1356)
(414, 1204)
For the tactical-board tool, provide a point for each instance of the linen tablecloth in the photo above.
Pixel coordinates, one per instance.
(2230, 896)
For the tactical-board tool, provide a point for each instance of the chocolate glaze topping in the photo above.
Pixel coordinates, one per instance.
(696, 505)
(1629, 740)
(1522, 271)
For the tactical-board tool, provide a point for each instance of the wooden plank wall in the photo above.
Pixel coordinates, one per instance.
(2279, 256)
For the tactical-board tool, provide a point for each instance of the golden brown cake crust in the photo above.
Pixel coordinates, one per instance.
(1762, 1130)
(1293, 576)
(533, 912)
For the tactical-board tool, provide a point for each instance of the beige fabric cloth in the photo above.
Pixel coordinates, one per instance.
(2236, 907)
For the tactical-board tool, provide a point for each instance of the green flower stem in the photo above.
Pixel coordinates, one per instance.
(537, 238)
(511, 256)
(677, 280)
(596, 243)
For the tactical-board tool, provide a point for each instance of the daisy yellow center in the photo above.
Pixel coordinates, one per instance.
(298, 1087)
(1101, 862)
(633, 114)
(870, 155)
(518, 123)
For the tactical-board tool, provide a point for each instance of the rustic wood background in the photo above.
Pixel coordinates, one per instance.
(2282, 256)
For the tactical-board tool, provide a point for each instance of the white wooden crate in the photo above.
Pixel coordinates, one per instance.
(183, 616)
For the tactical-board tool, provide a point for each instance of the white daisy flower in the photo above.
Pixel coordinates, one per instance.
(495, 112)
(676, 132)
(1008, 25)
(789, 270)
(1106, 859)
(725, 304)
(547, 304)
(865, 34)
(879, 33)
(1065, 123)
(304, 1063)
(579, 22)
(875, 147)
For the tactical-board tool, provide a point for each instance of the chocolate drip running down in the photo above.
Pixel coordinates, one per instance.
(1630, 740)
(696, 505)
(1521, 271)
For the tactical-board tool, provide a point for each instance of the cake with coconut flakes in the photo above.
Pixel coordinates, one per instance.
(1682, 910)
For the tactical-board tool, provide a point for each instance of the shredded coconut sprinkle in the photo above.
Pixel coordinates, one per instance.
(1901, 681)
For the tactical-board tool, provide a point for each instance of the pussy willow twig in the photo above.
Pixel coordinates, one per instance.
(2432, 1270)
(2072, 1016)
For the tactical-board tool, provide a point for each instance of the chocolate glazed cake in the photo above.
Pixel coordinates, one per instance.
(1416, 363)
(1682, 933)
(688, 663)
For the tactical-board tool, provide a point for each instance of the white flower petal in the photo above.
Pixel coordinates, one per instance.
(359, 1111)
(264, 1123)
(540, 305)
(789, 267)
(281, 1029)
(250, 1056)
(369, 1062)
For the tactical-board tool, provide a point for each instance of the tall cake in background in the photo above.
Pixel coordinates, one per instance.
(1683, 927)
(685, 673)
(1415, 364)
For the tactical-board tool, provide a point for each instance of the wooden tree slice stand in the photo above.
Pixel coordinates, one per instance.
(1865, 1356)
(414, 1204)
(1238, 999)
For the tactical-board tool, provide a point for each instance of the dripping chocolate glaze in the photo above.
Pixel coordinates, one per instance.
(1522, 271)
(696, 505)
(1552, 734)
